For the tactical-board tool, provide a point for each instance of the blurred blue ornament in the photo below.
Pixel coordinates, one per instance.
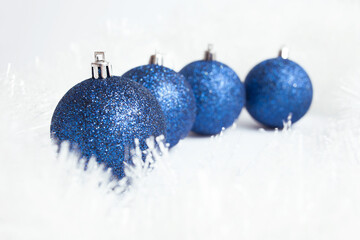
(218, 91)
(173, 93)
(278, 90)
(102, 116)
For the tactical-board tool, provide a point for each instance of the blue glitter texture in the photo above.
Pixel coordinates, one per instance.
(276, 88)
(219, 95)
(174, 95)
(102, 117)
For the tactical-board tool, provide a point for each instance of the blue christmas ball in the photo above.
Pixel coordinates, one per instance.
(276, 89)
(102, 117)
(219, 95)
(174, 95)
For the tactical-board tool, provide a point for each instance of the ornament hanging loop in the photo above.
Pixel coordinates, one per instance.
(157, 59)
(284, 52)
(100, 68)
(209, 54)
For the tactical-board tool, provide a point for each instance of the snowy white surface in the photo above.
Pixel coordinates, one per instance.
(245, 184)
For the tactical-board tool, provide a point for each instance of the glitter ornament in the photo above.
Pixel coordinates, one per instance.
(218, 91)
(102, 116)
(173, 93)
(278, 90)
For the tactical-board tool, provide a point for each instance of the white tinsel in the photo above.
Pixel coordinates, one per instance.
(301, 183)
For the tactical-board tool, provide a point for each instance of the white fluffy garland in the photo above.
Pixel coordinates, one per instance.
(294, 184)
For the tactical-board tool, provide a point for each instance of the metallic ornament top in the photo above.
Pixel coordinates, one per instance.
(218, 91)
(209, 54)
(100, 68)
(278, 90)
(103, 117)
(157, 59)
(173, 93)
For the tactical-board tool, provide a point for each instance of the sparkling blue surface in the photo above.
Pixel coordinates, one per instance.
(102, 117)
(276, 88)
(173, 93)
(219, 95)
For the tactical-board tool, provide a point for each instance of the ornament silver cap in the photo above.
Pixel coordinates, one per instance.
(100, 68)
(209, 54)
(284, 52)
(157, 59)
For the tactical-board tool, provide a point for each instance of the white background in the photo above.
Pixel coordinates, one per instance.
(323, 36)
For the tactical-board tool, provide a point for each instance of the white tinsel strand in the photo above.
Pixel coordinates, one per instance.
(242, 183)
